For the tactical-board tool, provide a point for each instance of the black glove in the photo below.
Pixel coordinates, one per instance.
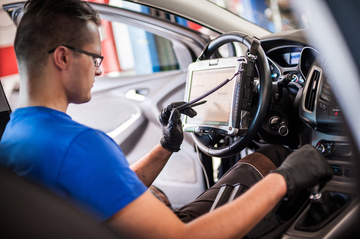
(172, 126)
(303, 169)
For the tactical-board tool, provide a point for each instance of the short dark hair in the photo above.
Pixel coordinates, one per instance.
(47, 24)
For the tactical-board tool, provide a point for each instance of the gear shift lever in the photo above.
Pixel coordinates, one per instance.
(315, 195)
(323, 207)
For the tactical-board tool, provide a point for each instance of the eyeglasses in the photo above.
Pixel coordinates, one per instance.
(97, 58)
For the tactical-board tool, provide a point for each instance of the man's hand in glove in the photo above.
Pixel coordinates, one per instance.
(172, 126)
(303, 169)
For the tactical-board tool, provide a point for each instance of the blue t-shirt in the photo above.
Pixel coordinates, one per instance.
(71, 159)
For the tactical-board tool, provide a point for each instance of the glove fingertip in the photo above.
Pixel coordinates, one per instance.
(193, 113)
(162, 118)
(189, 112)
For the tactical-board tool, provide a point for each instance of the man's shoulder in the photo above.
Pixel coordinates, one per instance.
(44, 119)
(42, 127)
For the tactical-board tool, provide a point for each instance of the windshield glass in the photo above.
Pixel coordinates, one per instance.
(273, 15)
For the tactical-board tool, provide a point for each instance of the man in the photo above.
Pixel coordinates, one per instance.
(58, 50)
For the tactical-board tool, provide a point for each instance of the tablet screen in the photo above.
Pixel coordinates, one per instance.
(217, 109)
(219, 114)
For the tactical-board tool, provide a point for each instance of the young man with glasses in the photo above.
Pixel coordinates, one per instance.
(58, 50)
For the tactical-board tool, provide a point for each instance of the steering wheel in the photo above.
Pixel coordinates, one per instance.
(263, 103)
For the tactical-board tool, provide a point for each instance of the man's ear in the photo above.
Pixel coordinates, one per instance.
(62, 57)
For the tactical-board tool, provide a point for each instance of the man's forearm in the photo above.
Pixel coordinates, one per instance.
(149, 166)
(147, 217)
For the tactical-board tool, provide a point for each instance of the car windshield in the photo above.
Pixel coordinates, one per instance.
(273, 15)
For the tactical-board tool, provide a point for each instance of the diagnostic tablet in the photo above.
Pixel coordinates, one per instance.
(219, 115)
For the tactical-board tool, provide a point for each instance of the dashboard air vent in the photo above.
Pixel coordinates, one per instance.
(311, 91)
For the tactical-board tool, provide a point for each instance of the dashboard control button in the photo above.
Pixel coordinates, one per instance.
(326, 97)
(337, 170)
(320, 147)
(326, 91)
(334, 111)
(283, 130)
(349, 173)
(322, 106)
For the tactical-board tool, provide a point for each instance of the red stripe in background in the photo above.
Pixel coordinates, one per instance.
(111, 60)
(8, 64)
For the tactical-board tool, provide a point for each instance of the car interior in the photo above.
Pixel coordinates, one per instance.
(271, 89)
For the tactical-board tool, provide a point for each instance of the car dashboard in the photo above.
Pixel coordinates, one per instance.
(314, 117)
(316, 103)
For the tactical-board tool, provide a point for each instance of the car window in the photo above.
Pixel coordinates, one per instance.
(131, 50)
(275, 16)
